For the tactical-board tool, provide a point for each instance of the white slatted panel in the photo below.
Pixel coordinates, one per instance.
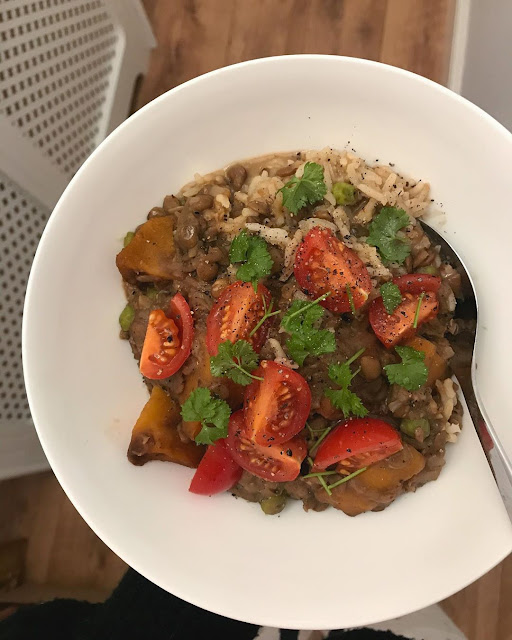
(22, 221)
(66, 79)
(57, 74)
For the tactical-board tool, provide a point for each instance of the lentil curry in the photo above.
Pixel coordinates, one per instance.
(291, 320)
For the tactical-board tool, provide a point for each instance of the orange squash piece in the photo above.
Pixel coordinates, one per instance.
(435, 364)
(199, 377)
(382, 480)
(379, 485)
(150, 251)
(155, 434)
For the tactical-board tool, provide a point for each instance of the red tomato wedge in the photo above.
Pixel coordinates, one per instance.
(417, 283)
(235, 314)
(217, 471)
(324, 264)
(168, 340)
(274, 462)
(357, 443)
(391, 329)
(277, 407)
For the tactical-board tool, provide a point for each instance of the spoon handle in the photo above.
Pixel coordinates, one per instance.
(496, 456)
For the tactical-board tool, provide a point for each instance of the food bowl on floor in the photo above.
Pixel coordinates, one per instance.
(298, 570)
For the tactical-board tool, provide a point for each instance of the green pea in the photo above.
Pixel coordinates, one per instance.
(344, 193)
(273, 505)
(152, 293)
(430, 270)
(128, 238)
(126, 317)
(409, 427)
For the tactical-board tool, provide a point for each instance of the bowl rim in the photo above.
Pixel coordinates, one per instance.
(59, 211)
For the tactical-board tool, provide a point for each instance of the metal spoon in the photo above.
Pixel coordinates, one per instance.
(463, 366)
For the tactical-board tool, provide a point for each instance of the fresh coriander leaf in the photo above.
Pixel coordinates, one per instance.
(297, 348)
(341, 374)
(267, 313)
(305, 338)
(391, 296)
(253, 253)
(235, 361)
(411, 373)
(417, 312)
(348, 402)
(313, 343)
(239, 247)
(343, 398)
(320, 439)
(383, 232)
(346, 479)
(310, 188)
(301, 313)
(213, 414)
(350, 299)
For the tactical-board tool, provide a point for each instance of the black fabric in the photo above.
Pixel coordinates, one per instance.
(365, 634)
(138, 610)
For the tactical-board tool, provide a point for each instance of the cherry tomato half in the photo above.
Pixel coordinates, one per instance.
(417, 283)
(324, 264)
(357, 443)
(168, 340)
(277, 407)
(396, 327)
(235, 314)
(217, 471)
(274, 462)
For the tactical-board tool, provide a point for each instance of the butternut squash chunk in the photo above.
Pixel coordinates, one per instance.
(155, 434)
(150, 251)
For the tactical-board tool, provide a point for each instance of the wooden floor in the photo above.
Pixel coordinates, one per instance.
(195, 36)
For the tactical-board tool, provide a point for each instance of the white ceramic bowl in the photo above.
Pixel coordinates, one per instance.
(299, 570)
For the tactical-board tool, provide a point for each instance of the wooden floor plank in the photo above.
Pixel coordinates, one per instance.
(62, 549)
(417, 36)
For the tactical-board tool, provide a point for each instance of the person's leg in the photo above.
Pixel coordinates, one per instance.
(57, 620)
(136, 609)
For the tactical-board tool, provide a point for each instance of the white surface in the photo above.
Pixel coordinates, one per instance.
(481, 55)
(431, 623)
(67, 74)
(459, 44)
(300, 570)
(22, 220)
(21, 452)
(138, 40)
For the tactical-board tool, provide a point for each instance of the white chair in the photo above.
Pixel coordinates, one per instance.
(68, 69)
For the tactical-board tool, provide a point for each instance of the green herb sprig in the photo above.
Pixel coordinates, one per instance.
(212, 412)
(306, 339)
(343, 398)
(235, 361)
(308, 189)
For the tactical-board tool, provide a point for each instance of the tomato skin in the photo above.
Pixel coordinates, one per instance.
(237, 311)
(161, 359)
(324, 264)
(391, 329)
(276, 408)
(217, 471)
(357, 443)
(273, 462)
(417, 283)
